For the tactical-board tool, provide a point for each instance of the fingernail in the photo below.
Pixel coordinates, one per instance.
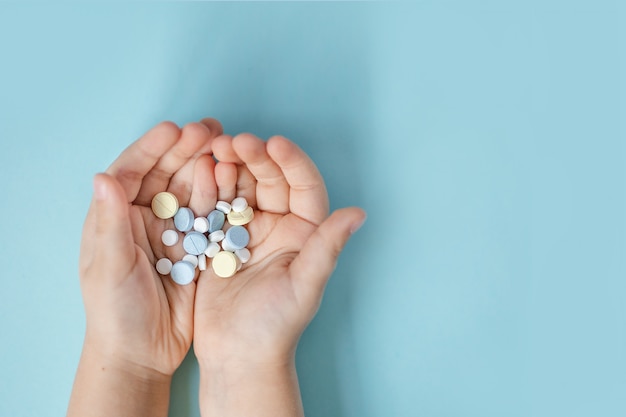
(357, 225)
(99, 189)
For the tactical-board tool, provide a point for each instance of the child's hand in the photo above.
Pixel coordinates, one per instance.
(256, 317)
(135, 317)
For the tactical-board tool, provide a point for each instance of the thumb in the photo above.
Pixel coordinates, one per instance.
(113, 233)
(311, 269)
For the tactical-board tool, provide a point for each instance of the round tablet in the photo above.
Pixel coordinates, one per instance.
(216, 220)
(184, 218)
(195, 243)
(169, 237)
(225, 264)
(227, 246)
(164, 205)
(223, 206)
(239, 219)
(239, 204)
(164, 266)
(216, 236)
(192, 259)
(237, 237)
(243, 254)
(183, 272)
(212, 249)
(201, 224)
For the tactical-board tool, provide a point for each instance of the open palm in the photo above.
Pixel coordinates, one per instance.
(262, 310)
(132, 311)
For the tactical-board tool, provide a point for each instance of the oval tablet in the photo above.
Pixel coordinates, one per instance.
(195, 243)
(216, 220)
(225, 264)
(169, 237)
(192, 259)
(182, 272)
(164, 205)
(201, 224)
(239, 204)
(237, 237)
(212, 249)
(184, 218)
(239, 219)
(164, 266)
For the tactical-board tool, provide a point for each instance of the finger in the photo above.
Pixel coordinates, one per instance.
(226, 180)
(214, 126)
(246, 183)
(194, 137)
(272, 189)
(113, 235)
(140, 157)
(204, 190)
(308, 198)
(223, 150)
(316, 261)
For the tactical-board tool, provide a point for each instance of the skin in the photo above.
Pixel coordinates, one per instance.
(245, 329)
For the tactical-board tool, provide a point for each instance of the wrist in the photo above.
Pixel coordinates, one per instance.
(242, 387)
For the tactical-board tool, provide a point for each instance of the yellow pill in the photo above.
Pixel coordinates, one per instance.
(164, 205)
(225, 264)
(239, 219)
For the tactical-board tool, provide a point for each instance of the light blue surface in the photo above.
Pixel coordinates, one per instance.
(486, 143)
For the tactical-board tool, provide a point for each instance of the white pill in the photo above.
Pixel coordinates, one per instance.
(212, 249)
(243, 255)
(227, 246)
(239, 204)
(169, 237)
(164, 266)
(201, 224)
(223, 206)
(192, 259)
(202, 262)
(216, 236)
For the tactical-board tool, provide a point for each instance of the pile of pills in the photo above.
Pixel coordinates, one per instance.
(204, 237)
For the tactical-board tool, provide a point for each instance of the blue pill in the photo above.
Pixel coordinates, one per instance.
(216, 220)
(182, 272)
(237, 237)
(195, 243)
(183, 219)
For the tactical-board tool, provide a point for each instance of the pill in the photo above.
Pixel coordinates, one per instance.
(183, 220)
(182, 272)
(164, 205)
(201, 224)
(227, 246)
(216, 220)
(216, 236)
(164, 266)
(225, 264)
(169, 237)
(202, 262)
(212, 249)
(243, 254)
(192, 259)
(239, 219)
(195, 243)
(239, 204)
(237, 237)
(223, 206)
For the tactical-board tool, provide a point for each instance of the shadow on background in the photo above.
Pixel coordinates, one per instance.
(304, 75)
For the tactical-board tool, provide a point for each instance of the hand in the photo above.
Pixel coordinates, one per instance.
(256, 317)
(139, 319)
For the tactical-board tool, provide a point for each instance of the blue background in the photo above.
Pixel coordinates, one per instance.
(486, 142)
